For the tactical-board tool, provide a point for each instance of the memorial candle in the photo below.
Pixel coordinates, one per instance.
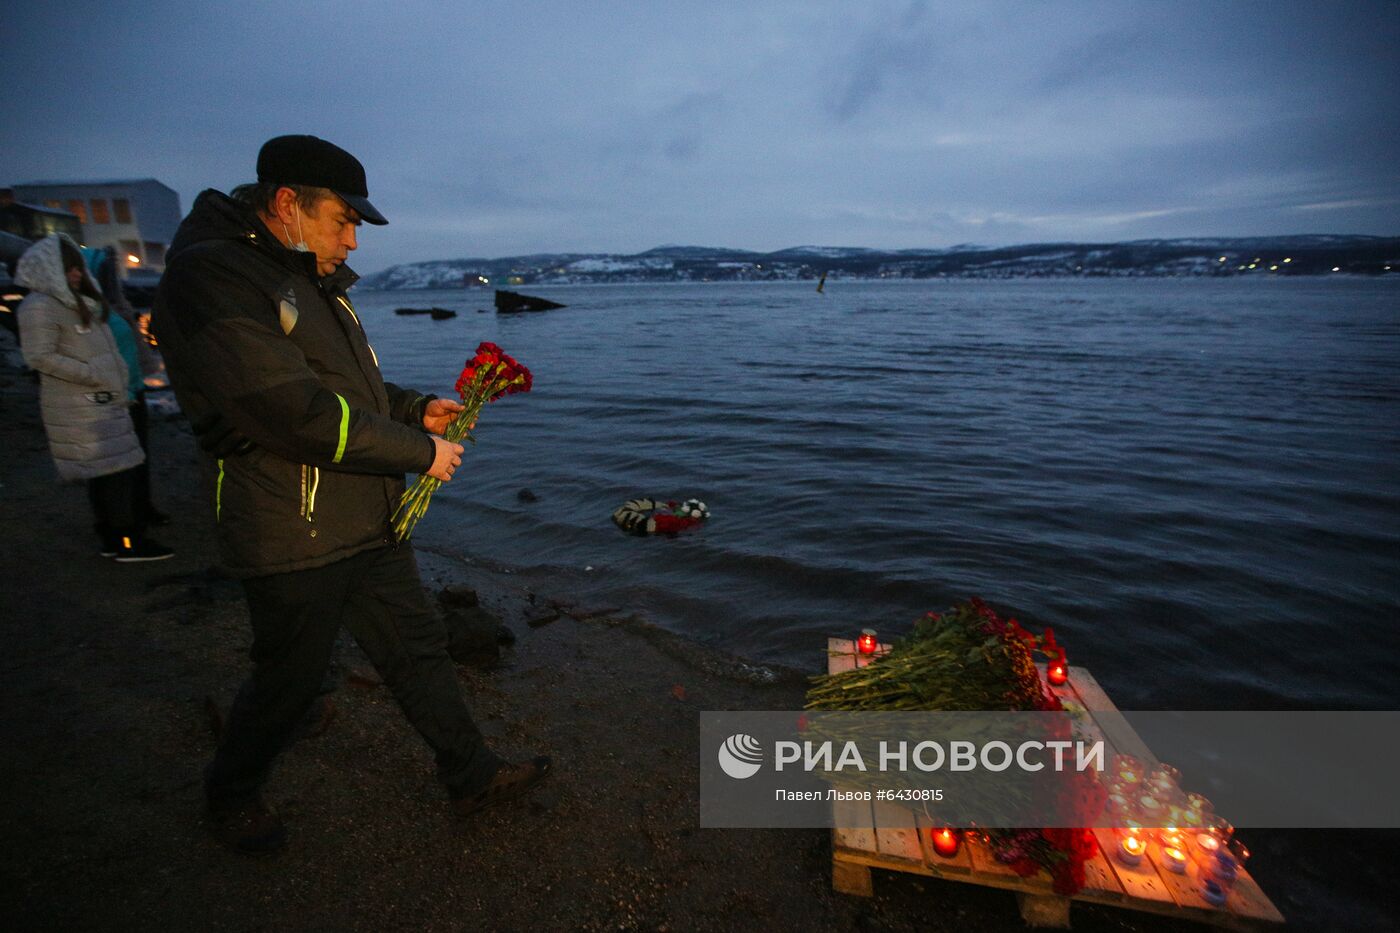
(1130, 850)
(1198, 810)
(1127, 769)
(945, 841)
(1174, 859)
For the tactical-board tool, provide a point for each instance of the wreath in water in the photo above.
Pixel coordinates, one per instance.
(651, 516)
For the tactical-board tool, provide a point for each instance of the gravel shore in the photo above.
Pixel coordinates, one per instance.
(106, 670)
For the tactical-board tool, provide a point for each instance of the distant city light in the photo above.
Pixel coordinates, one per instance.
(1273, 268)
(134, 259)
(1336, 268)
(1253, 264)
(1221, 259)
(1287, 259)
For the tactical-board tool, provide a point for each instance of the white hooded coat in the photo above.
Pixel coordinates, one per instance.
(82, 392)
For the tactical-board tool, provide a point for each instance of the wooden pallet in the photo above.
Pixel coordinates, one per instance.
(885, 835)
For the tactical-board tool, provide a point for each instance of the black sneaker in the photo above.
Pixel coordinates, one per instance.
(142, 551)
(252, 829)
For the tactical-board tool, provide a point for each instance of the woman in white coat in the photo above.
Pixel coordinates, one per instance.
(82, 392)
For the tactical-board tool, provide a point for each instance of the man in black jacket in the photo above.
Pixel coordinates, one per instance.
(269, 361)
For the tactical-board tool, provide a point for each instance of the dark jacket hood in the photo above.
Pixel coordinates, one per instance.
(216, 216)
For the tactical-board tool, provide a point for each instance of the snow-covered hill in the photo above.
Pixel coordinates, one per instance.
(1285, 255)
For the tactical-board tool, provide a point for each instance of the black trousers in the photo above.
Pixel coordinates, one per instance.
(141, 420)
(121, 502)
(296, 617)
(116, 510)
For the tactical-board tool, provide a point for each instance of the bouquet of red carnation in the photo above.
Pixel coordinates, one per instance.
(488, 375)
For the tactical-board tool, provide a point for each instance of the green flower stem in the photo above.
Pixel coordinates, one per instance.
(413, 505)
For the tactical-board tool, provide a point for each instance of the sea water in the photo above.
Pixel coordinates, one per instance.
(1195, 482)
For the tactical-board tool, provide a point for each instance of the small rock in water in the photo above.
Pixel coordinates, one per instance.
(526, 495)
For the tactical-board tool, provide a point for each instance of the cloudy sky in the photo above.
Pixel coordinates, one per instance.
(496, 128)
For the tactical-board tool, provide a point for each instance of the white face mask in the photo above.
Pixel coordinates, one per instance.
(300, 245)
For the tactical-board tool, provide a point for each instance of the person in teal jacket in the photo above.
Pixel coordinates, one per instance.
(140, 360)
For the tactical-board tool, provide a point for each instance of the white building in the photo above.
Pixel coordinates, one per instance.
(137, 217)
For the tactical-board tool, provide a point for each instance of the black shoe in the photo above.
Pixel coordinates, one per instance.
(142, 551)
(509, 782)
(316, 721)
(252, 829)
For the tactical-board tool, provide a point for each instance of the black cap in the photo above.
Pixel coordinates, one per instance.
(310, 160)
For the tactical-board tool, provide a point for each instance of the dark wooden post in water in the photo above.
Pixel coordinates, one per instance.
(510, 302)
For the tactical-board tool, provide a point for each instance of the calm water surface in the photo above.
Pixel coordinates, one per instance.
(1195, 482)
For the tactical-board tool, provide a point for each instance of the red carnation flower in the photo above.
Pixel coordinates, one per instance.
(486, 376)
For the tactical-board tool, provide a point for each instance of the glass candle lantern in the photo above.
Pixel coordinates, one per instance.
(1174, 859)
(1197, 812)
(945, 841)
(1127, 769)
(1131, 847)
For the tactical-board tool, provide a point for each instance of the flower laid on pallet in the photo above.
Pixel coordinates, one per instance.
(490, 374)
(970, 659)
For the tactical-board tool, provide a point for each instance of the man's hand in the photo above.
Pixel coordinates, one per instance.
(219, 438)
(439, 413)
(447, 458)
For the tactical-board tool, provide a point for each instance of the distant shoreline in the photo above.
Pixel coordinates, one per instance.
(1193, 258)
(854, 280)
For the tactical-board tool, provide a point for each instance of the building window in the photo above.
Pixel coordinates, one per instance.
(75, 206)
(122, 208)
(99, 211)
(54, 203)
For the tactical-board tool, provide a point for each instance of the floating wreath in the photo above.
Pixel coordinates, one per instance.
(651, 516)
